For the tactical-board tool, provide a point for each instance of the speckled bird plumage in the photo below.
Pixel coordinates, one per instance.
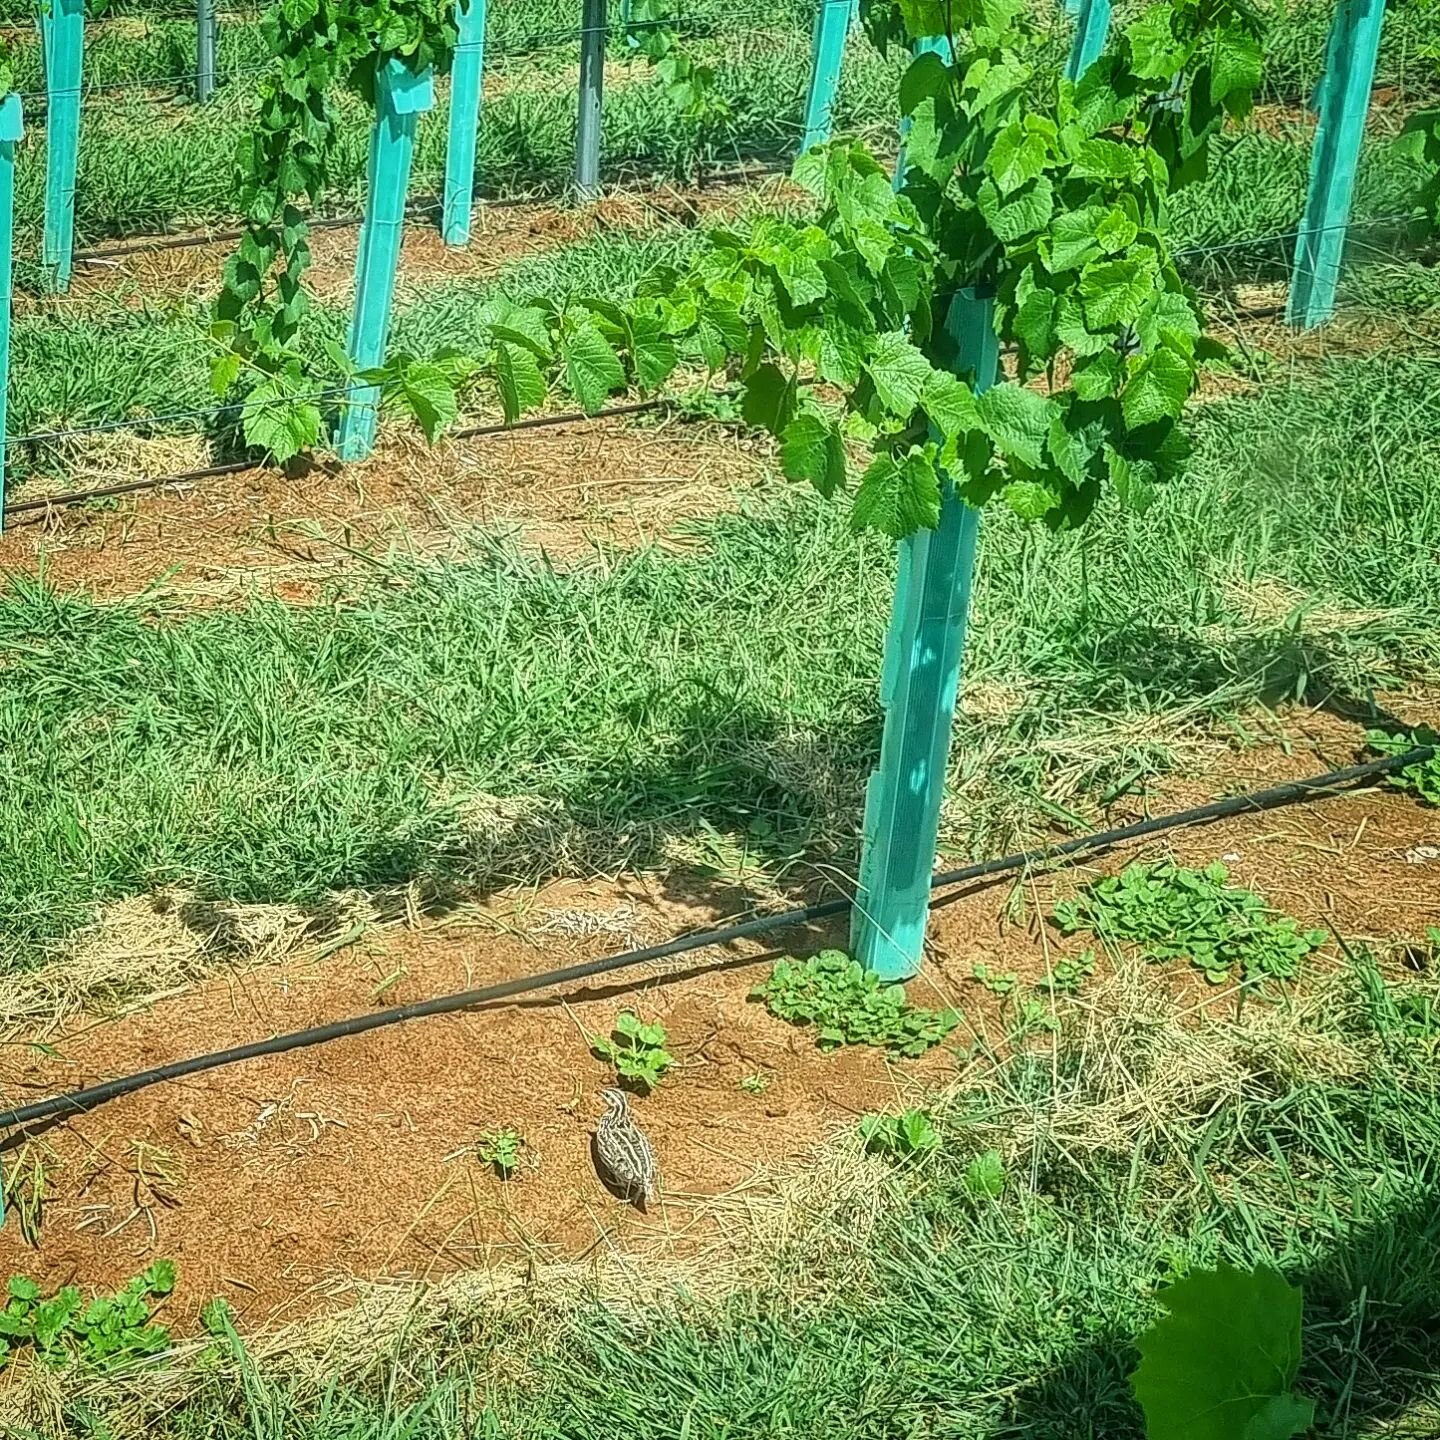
(623, 1152)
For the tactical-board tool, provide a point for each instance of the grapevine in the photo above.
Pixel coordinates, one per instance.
(315, 45)
(1050, 194)
(689, 84)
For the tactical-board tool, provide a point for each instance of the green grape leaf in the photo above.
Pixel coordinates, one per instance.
(898, 498)
(592, 368)
(1236, 64)
(720, 332)
(428, 393)
(1116, 231)
(1018, 420)
(811, 449)
(949, 404)
(899, 371)
(1114, 292)
(520, 380)
(926, 76)
(1068, 450)
(769, 399)
(1030, 499)
(1155, 53)
(1157, 390)
(1034, 322)
(1071, 330)
(1107, 160)
(277, 419)
(1072, 239)
(652, 352)
(1022, 213)
(1221, 1364)
(1016, 156)
(1098, 376)
(525, 325)
(224, 372)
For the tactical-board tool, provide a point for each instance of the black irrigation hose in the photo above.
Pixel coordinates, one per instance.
(79, 1101)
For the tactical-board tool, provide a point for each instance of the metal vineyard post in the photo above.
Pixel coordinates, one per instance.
(592, 86)
(832, 24)
(11, 128)
(204, 49)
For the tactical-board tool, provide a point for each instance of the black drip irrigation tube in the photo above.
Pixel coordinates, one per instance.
(79, 1101)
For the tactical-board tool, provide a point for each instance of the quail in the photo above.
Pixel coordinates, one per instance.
(623, 1153)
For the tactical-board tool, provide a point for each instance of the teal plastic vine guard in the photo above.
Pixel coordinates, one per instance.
(401, 97)
(1344, 99)
(62, 36)
(466, 86)
(1092, 25)
(918, 686)
(832, 25)
(12, 127)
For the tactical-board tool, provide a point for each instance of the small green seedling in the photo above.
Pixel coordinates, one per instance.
(1171, 912)
(1422, 779)
(985, 1175)
(997, 982)
(636, 1049)
(1032, 1017)
(1069, 973)
(501, 1148)
(756, 1084)
(899, 1137)
(108, 1331)
(848, 1005)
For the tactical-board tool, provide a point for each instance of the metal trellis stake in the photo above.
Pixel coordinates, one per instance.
(920, 680)
(204, 49)
(466, 84)
(593, 24)
(832, 24)
(1092, 25)
(62, 34)
(401, 97)
(1344, 99)
(11, 128)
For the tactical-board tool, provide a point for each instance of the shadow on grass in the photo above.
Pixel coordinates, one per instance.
(1372, 1344)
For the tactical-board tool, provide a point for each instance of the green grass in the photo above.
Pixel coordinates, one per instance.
(146, 167)
(278, 753)
(1308, 1142)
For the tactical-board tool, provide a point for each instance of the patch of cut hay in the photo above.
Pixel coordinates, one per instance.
(145, 947)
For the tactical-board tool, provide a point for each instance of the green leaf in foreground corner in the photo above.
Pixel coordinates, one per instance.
(1221, 1364)
(811, 449)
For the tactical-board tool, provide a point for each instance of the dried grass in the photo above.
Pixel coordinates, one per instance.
(145, 947)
